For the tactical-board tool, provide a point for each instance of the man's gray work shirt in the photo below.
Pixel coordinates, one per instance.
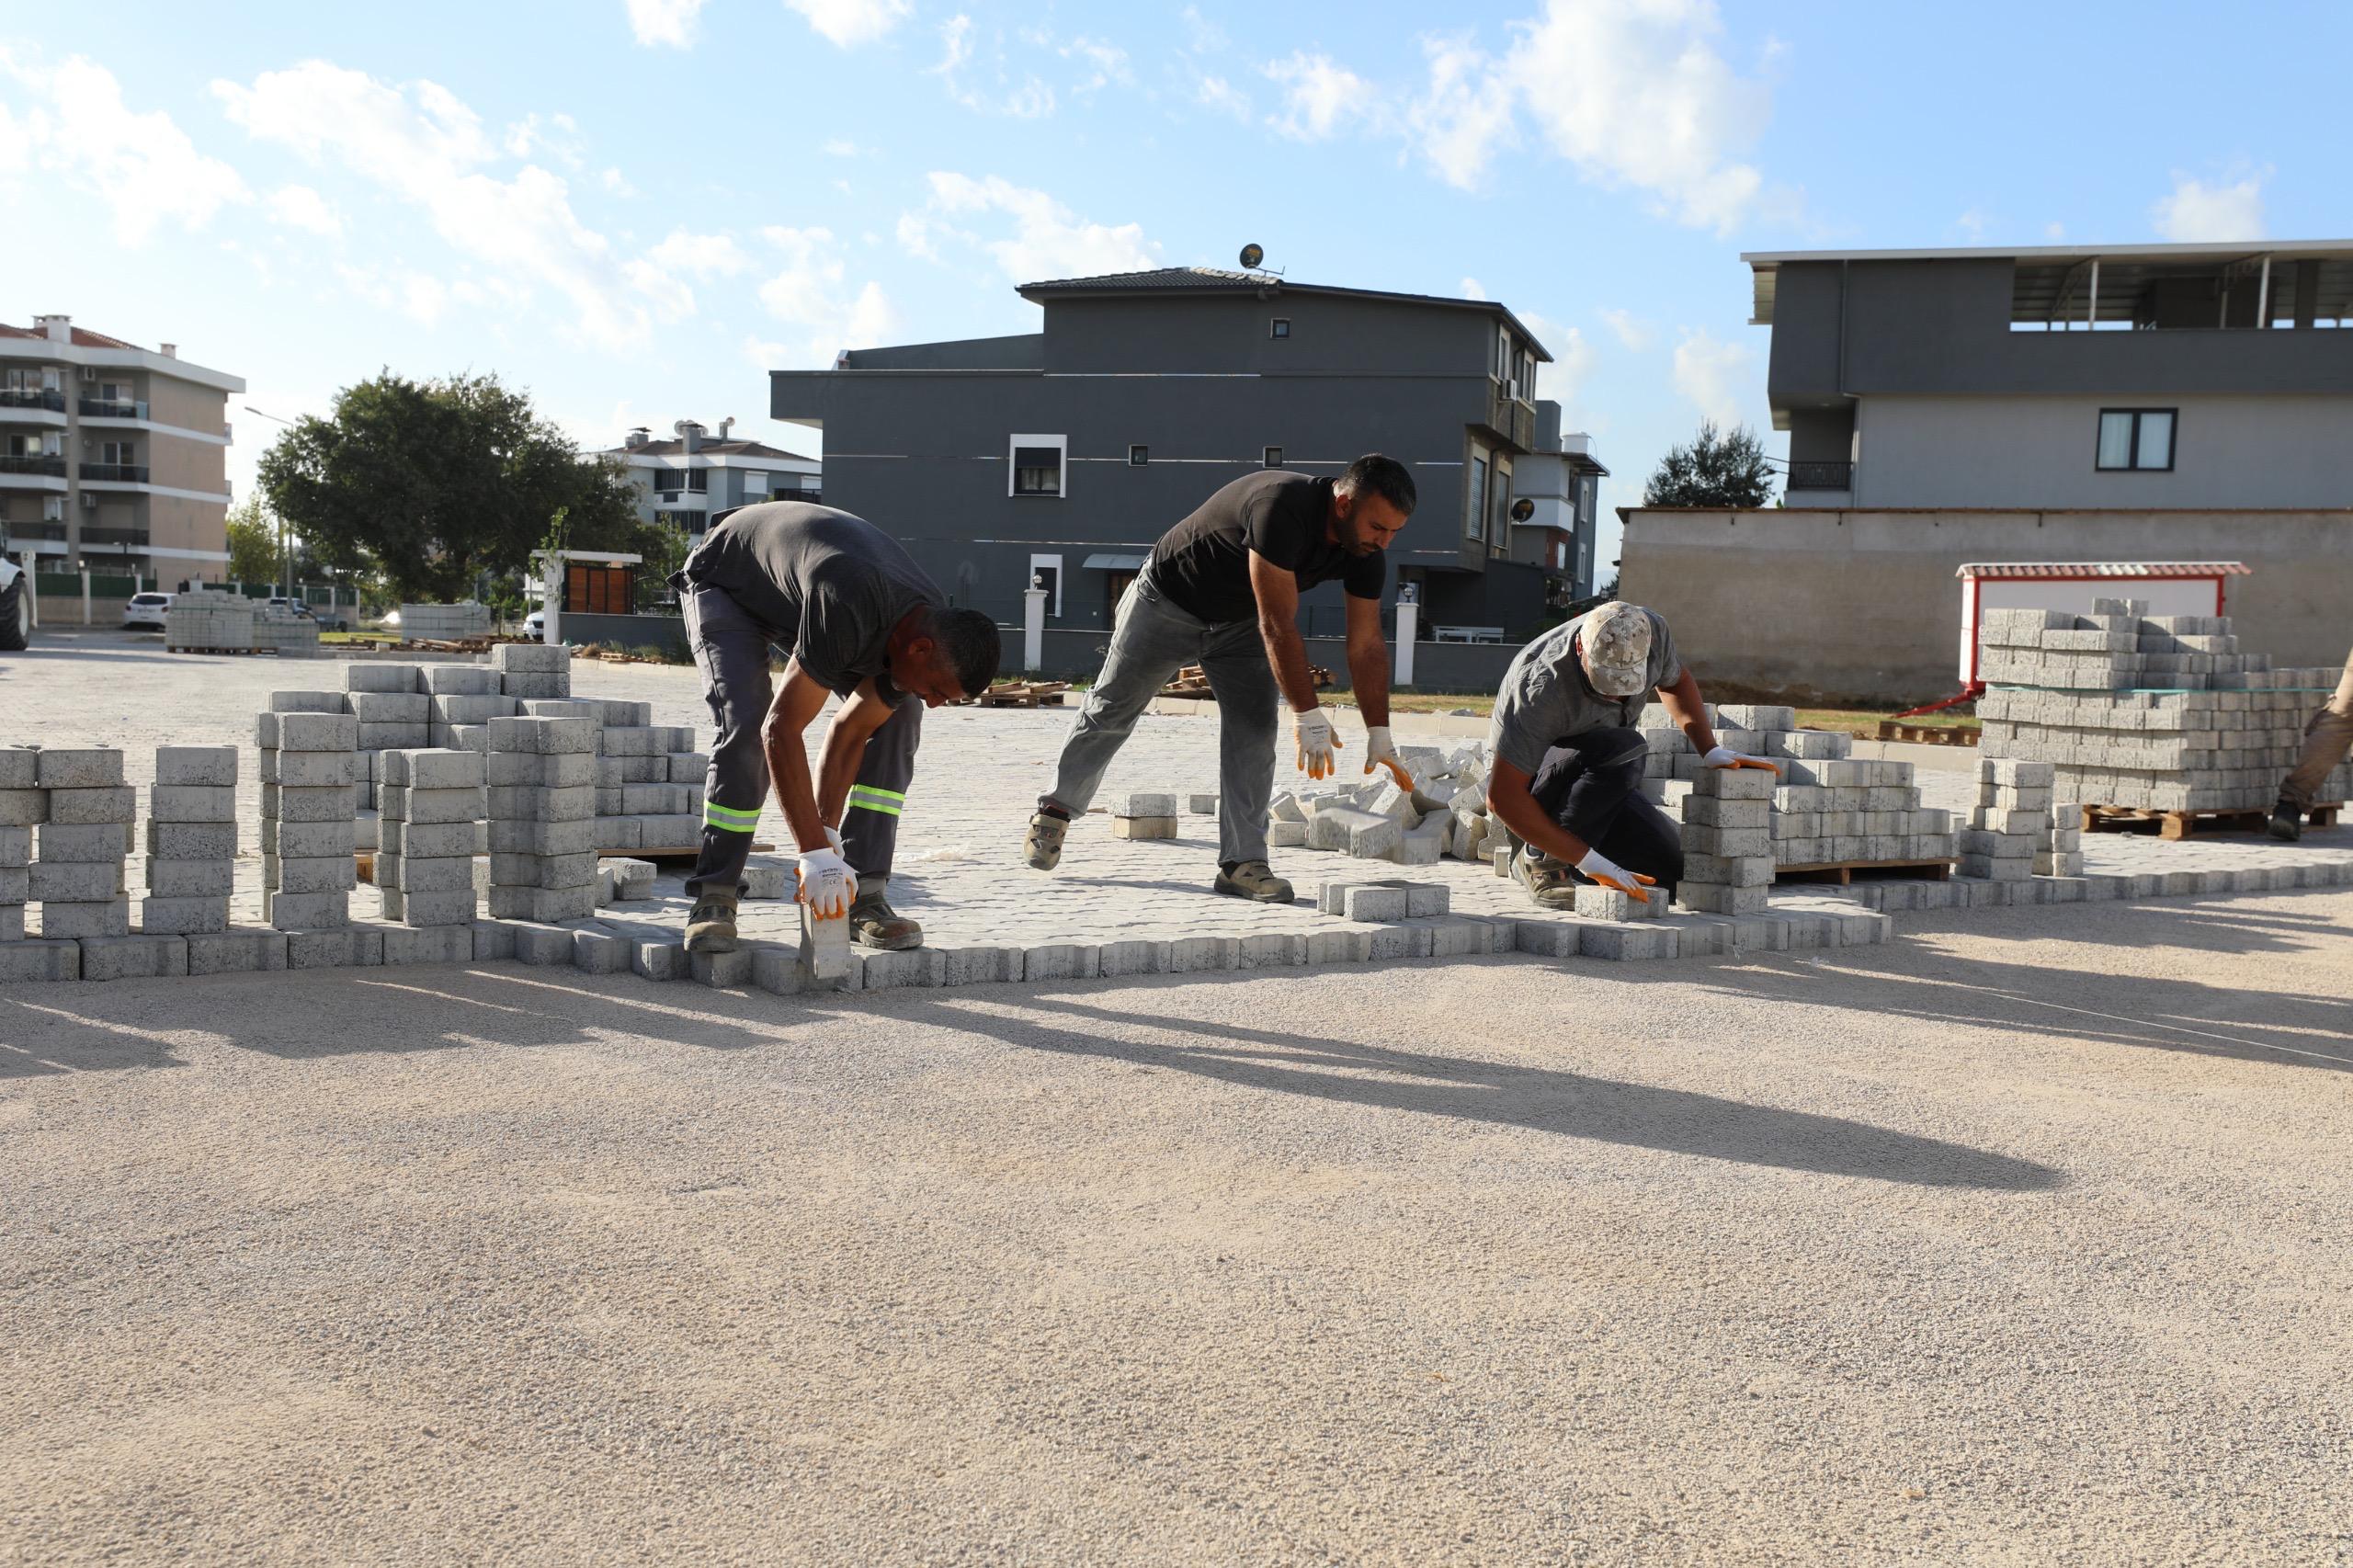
(824, 586)
(1545, 697)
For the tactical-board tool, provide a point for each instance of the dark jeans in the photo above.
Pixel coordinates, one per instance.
(1592, 785)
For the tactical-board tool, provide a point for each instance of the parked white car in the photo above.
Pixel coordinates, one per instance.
(535, 626)
(146, 612)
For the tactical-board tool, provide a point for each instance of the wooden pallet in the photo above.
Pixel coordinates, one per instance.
(1842, 872)
(1927, 735)
(1191, 683)
(1025, 694)
(2182, 825)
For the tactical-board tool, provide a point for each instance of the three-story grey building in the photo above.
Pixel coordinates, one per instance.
(1060, 456)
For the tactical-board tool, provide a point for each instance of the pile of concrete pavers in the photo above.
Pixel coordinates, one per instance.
(208, 619)
(191, 841)
(2157, 713)
(280, 629)
(2018, 828)
(310, 760)
(1727, 842)
(445, 623)
(424, 874)
(543, 819)
(1377, 819)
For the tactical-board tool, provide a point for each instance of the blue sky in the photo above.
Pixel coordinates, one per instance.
(634, 207)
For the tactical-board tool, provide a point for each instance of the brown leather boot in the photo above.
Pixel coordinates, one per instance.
(710, 927)
(874, 924)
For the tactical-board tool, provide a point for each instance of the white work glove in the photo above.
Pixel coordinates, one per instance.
(833, 837)
(1380, 750)
(1610, 874)
(1725, 756)
(827, 884)
(1316, 742)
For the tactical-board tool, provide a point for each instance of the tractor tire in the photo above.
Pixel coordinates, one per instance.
(17, 616)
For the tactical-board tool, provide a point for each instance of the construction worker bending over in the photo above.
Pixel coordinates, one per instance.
(1566, 775)
(1221, 590)
(2326, 740)
(856, 619)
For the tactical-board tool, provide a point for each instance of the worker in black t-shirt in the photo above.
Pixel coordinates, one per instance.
(1221, 590)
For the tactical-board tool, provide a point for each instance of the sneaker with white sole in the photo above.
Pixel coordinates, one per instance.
(1252, 879)
(1041, 847)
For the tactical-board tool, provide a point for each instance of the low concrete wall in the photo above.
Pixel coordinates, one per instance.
(65, 610)
(666, 631)
(1845, 606)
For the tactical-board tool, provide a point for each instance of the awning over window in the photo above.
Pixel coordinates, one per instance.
(1114, 563)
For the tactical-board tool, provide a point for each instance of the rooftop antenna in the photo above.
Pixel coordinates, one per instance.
(1252, 256)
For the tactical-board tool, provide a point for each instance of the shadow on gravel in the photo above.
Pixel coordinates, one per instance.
(54, 1035)
(1571, 1104)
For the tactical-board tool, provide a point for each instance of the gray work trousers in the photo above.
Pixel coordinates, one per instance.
(2326, 740)
(731, 650)
(1153, 640)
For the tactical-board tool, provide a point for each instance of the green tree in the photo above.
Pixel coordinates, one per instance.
(423, 485)
(254, 556)
(1716, 470)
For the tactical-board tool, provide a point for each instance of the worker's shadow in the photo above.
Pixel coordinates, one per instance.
(1543, 1099)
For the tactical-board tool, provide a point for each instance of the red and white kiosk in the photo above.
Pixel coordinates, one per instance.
(2171, 587)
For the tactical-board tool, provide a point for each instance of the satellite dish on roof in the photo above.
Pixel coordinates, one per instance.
(1251, 256)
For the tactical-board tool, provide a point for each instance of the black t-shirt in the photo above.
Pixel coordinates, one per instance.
(821, 583)
(1202, 564)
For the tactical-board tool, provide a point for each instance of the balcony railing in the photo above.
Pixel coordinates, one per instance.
(113, 408)
(53, 532)
(137, 537)
(32, 397)
(1815, 475)
(117, 474)
(41, 462)
(1512, 419)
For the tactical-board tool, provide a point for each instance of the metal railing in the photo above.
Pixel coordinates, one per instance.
(120, 473)
(1816, 475)
(32, 397)
(53, 533)
(113, 408)
(115, 536)
(40, 462)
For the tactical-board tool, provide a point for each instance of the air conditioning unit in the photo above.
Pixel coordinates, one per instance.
(90, 372)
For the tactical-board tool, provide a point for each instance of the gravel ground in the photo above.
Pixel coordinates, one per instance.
(2022, 1240)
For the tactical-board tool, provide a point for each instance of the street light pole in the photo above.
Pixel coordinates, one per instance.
(284, 555)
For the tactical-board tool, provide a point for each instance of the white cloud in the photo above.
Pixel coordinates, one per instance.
(1562, 380)
(1203, 36)
(1472, 290)
(1320, 96)
(300, 207)
(424, 147)
(1109, 62)
(848, 23)
(1217, 93)
(701, 255)
(839, 147)
(616, 183)
(1048, 240)
(74, 122)
(2195, 210)
(1463, 118)
(1028, 98)
(1631, 330)
(421, 297)
(1714, 376)
(2055, 232)
(558, 135)
(811, 292)
(674, 22)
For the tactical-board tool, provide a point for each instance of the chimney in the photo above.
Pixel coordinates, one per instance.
(168, 351)
(57, 329)
(725, 426)
(689, 436)
(638, 437)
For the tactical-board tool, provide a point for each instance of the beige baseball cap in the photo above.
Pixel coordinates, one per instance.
(1616, 640)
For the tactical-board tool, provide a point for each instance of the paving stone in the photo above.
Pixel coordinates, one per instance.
(75, 808)
(914, 967)
(1133, 957)
(1274, 949)
(25, 962)
(23, 808)
(1374, 904)
(19, 768)
(1547, 939)
(347, 946)
(1609, 904)
(426, 944)
(825, 948)
(979, 966)
(69, 767)
(184, 917)
(307, 911)
(1398, 943)
(1339, 947)
(777, 968)
(103, 917)
(1623, 941)
(16, 846)
(1061, 960)
(101, 841)
(192, 802)
(1144, 828)
(1715, 899)
(236, 952)
(74, 881)
(1202, 955)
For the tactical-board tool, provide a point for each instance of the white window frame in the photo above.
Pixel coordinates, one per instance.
(52, 508)
(1061, 446)
(1062, 580)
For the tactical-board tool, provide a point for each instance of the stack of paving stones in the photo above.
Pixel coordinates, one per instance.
(309, 762)
(433, 813)
(1377, 819)
(280, 629)
(191, 841)
(82, 845)
(1145, 814)
(542, 815)
(444, 623)
(2161, 713)
(649, 779)
(463, 700)
(2010, 824)
(23, 807)
(1727, 841)
(532, 670)
(205, 620)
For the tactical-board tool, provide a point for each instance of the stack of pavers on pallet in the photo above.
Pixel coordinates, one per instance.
(205, 620)
(191, 841)
(649, 778)
(310, 760)
(433, 804)
(543, 819)
(445, 623)
(279, 629)
(2161, 713)
(83, 843)
(1727, 842)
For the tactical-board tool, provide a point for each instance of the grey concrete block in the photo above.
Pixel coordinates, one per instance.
(1202, 955)
(307, 911)
(542, 905)
(732, 971)
(433, 807)
(133, 958)
(1732, 871)
(201, 840)
(433, 841)
(1629, 941)
(316, 874)
(536, 688)
(372, 676)
(542, 943)
(69, 767)
(1374, 904)
(27, 962)
(545, 737)
(15, 884)
(1417, 849)
(1711, 811)
(307, 802)
(16, 845)
(1274, 949)
(19, 768)
(664, 958)
(339, 947)
(23, 808)
(1547, 939)
(192, 802)
(569, 770)
(184, 917)
(1287, 836)
(1061, 960)
(236, 952)
(459, 680)
(103, 841)
(578, 870)
(776, 968)
(454, 906)
(1131, 957)
(309, 769)
(1396, 943)
(106, 917)
(389, 707)
(413, 874)
(1144, 828)
(824, 949)
(1464, 937)
(1339, 947)
(281, 702)
(767, 880)
(196, 766)
(493, 939)
(1710, 898)
(312, 733)
(74, 881)
(426, 944)
(600, 950)
(1376, 840)
(1147, 803)
(306, 840)
(547, 839)
(1609, 904)
(530, 802)
(979, 966)
(529, 657)
(437, 768)
(76, 808)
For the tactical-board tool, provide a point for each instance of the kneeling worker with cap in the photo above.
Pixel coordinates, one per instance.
(858, 619)
(1566, 775)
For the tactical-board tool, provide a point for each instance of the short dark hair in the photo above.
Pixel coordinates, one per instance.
(968, 641)
(1385, 477)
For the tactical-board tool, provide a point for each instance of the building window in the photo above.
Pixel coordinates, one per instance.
(1139, 456)
(2135, 438)
(755, 484)
(1036, 465)
(1499, 508)
(698, 481)
(1279, 327)
(1474, 517)
(1271, 458)
(119, 452)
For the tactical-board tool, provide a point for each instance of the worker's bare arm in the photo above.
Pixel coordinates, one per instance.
(1508, 797)
(1683, 705)
(799, 699)
(1368, 661)
(1277, 591)
(853, 724)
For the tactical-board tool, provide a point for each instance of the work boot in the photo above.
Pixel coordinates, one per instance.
(1550, 882)
(1252, 879)
(2288, 821)
(874, 924)
(1041, 847)
(710, 928)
